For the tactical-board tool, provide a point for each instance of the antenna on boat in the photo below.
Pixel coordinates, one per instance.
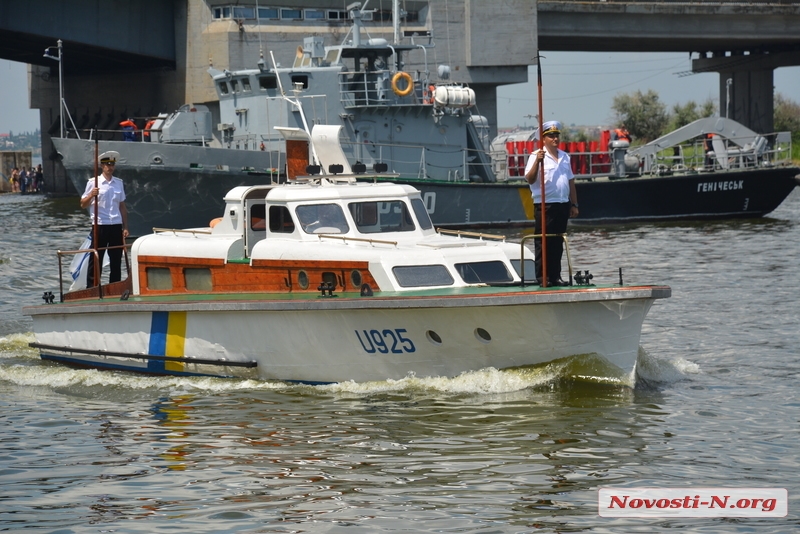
(261, 63)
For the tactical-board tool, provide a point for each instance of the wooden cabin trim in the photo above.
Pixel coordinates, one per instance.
(262, 276)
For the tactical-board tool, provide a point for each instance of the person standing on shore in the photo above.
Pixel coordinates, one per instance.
(561, 199)
(112, 216)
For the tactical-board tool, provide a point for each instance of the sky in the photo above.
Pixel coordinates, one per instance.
(577, 88)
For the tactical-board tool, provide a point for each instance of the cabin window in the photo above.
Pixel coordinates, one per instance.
(300, 79)
(158, 278)
(223, 88)
(267, 82)
(422, 214)
(280, 220)
(268, 13)
(246, 85)
(197, 279)
(258, 217)
(484, 272)
(380, 217)
(235, 86)
(314, 14)
(322, 219)
(240, 12)
(422, 275)
(530, 269)
(291, 14)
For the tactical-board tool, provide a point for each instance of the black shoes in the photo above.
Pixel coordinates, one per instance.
(554, 283)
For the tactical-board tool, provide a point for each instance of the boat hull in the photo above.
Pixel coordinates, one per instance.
(701, 196)
(338, 339)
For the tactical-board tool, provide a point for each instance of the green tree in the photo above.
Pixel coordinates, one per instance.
(786, 115)
(683, 114)
(643, 114)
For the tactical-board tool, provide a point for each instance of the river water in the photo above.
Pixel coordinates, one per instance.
(487, 452)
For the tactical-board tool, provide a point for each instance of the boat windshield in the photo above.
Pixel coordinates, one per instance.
(322, 219)
(381, 217)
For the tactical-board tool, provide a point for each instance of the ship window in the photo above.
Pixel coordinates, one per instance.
(246, 85)
(222, 12)
(158, 278)
(298, 78)
(332, 57)
(223, 88)
(530, 269)
(280, 220)
(422, 214)
(197, 279)
(322, 219)
(240, 12)
(268, 13)
(314, 14)
(338, 14)
(422, 275)
(484, 272)
(292, 14)
(235, 86)
(379, 217)
(267, 82)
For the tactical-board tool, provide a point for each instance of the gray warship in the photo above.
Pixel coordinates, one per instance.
(427, 131)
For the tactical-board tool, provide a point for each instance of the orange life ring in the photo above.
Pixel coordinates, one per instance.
(400, 75)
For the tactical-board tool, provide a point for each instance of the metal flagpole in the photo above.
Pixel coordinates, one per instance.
(541, 173)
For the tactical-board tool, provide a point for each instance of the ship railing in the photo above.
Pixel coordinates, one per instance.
(60, 254)
(768, 150)
(462, 164)
(539, 236)
(774, 150)
(373, 89)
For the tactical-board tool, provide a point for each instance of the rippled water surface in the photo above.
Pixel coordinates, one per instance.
(716, 405)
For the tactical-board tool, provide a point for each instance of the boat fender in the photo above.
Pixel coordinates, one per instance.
(400, 75)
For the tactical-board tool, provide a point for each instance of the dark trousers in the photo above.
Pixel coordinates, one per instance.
(108, 235)
(556, 219)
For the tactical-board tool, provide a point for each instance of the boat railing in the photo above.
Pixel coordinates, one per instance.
(361, 239)
(478, 235)
(416, 160)
(539, 236)
(373, 88)
(768, 150)
(194, 232)
(95, 259)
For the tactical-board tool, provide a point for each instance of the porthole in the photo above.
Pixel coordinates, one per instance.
(355, 278)
(302, 279)
(433, 337)
(482, 335)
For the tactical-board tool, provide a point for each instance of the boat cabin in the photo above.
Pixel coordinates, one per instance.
(320, 235)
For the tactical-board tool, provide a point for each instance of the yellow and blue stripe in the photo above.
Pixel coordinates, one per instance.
(167, 338)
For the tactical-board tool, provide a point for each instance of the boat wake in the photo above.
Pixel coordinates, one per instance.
(657, 372)
(20, 365)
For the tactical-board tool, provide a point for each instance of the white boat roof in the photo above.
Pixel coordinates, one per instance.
(323, 189)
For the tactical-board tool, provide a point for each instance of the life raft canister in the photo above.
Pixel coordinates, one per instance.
(400, 75)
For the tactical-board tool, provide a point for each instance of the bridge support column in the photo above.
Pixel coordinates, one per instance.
(746, 96)
(749, 96)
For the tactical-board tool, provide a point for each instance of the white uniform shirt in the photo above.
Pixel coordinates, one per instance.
(110, 195)
(557, 175)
